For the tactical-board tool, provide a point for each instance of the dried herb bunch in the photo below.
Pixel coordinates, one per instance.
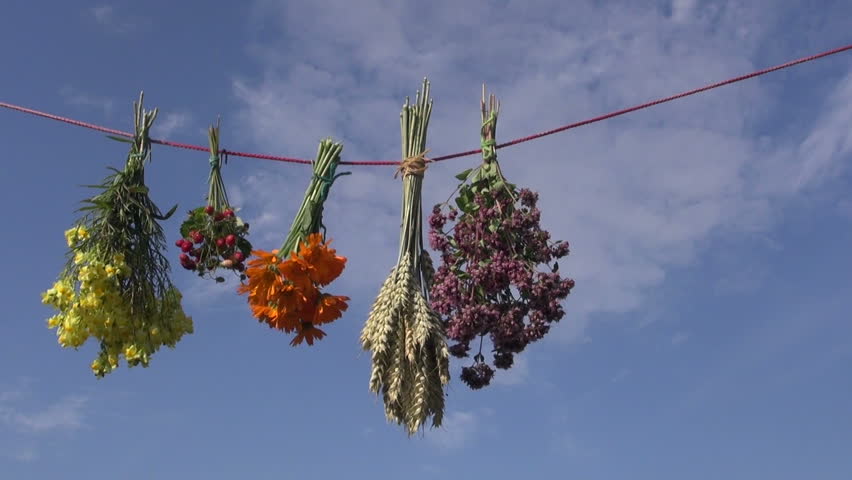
(410, 360)
(116, 284)
(489, 282)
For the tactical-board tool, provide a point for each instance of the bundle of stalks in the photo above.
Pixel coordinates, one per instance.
(410, 360)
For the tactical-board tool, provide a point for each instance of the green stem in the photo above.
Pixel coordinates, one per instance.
(309, 216)
(414, 121)
(216, 194)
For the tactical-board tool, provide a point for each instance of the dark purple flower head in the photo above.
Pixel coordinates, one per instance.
(459, 350)
(477, 376)
(503, 360)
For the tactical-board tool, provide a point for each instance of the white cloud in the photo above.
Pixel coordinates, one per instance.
(567, 444)
(107, 17)
(621, 375)
(169, 123)
(25, 455)
(680, 338)
(456, 430)
(66, 414)
(104, 14)
(682, 9)
(830, 140)
(77, 98)
(25, 427)
(635, 196)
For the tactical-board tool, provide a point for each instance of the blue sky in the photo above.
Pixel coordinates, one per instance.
(710, 237)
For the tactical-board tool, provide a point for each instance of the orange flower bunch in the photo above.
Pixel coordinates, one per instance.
(284, 291)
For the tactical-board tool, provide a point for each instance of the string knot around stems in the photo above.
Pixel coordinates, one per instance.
(489, 151)
(414, 165)
(327, 182)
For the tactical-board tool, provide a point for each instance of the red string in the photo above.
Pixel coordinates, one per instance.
(454, 155)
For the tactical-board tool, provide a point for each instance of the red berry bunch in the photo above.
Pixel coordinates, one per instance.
(212, 240)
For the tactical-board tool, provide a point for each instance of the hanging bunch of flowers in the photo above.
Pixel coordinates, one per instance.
(284, 286)
(410, 361)
(490, 282)
(213, 237)
(115, 286)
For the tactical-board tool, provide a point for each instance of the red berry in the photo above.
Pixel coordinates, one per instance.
(197, 237)
(209, 210)
(183, 257)
(220, 242)
(228, 213)
(179, 242)
(239, 257)
(186, 247)
(218, 218)
(231, 240)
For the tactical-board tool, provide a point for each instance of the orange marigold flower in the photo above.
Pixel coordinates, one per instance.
(263, 277)
(284, 319)
(329, 308)
(307, 332)
(324, 264)
(296, 270)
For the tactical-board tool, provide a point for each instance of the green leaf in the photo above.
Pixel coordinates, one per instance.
(186, 227)
(119, 139)
(244, 246)
(463, 175)
(462, 202)
(168, 214)
(139, 189)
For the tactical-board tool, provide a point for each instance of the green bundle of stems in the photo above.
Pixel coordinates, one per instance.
(216, 195)
(309, 217)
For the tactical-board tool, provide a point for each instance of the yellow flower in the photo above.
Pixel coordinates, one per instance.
(131, 352)
(71, 236)
(118, 259)
(82, 232)
(54, 321)
(79, 258)
(48, 296)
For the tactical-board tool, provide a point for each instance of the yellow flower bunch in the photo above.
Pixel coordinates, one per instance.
(75, 234)
(91, 304)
